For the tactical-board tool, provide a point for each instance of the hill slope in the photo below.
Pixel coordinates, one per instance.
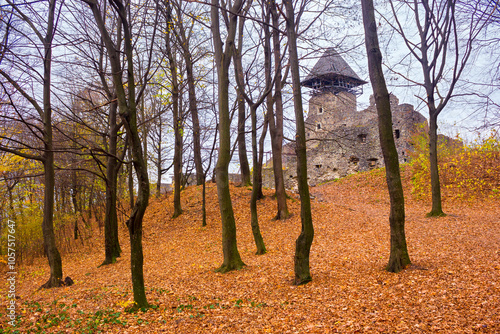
(453, 285)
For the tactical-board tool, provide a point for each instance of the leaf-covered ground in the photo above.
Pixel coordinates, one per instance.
(453, 285)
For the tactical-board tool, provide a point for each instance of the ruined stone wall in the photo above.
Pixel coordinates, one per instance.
(347, 141)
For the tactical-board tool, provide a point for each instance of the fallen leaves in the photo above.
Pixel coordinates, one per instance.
(452, 286)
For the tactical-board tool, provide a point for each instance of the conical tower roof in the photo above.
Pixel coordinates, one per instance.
(331, 68)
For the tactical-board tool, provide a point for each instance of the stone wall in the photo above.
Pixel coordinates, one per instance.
(347, 141)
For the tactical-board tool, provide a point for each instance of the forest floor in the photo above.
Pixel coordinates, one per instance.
(452, 286)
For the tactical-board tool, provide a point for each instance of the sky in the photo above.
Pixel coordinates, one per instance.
(464, 115)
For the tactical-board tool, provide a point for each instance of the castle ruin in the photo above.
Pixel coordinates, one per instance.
(340, 139)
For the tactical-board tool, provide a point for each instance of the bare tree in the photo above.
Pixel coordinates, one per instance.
(127, 102)
(443, 53)
(223, 54)
(184, 35)
(39, 124)
(176, 109)
(276, 118)
(399, 257)
(241, 139)
(257, 150)
(97, 97)
(305, 239)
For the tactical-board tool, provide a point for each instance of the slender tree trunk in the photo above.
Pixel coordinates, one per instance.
(437, 210)
(159, 158)
(158, 164)
(131, 182)
(198, 163)
(177, 120)
(204, 203)
(241, 139)
(90, 202)
(232, 259)
(304, 241)
(204, 207)
(257, 236)
(260, 161)
(242, 147)
(257, 170)
(112, 248)
(177, 159)
(126, 97)
(49, 239)
(183, 41)
(76, 210)
(10, 188)
(399, 257)
(276, 128)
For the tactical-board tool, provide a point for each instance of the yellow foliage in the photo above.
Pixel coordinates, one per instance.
(466, 172)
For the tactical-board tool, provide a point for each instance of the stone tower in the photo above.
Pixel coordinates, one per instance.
(341, 140)
(334, 89)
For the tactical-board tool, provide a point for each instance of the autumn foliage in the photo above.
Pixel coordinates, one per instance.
(468, 172)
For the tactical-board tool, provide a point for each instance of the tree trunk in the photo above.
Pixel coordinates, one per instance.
(242, 148)
(112, 248)
(203, 203)
(276, 127)
(260, 160)
(198, 163)
(399, 257)
(131, 183)
(128, 113)
(158, 163)
(177, 157)
(177, 120)
(76, 211)
(49, 239)
(437, 210)
(241, 139)
(134, 224)
(10, 188)
(304, 241)
(257, 170)
(232, 259)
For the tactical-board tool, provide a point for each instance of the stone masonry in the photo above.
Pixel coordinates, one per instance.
(340, 139)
